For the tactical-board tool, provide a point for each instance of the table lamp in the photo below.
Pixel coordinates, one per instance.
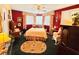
(4, 39)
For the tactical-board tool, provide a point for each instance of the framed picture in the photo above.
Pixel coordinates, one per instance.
(19, 19)
(9, 15)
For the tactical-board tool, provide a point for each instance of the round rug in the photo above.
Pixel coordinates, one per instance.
(33, 47)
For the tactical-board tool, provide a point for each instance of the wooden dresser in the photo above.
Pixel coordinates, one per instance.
(73, 39)
(70, 38)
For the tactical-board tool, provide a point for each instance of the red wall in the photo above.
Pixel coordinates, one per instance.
(15, 15)
(57, 19)
(68, 8)
(58, 15)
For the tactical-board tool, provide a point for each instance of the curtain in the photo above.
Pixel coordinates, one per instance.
(43, 21)
(51, 21)
(24, 21)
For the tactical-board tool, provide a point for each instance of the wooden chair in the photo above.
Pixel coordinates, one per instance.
(3, 49)
(65, 36)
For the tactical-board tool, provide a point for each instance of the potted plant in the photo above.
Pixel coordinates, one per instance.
(75, 19)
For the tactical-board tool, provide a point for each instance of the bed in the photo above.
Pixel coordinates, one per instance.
(36, 34)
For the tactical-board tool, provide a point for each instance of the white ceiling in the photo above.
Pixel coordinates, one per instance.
(32, 7)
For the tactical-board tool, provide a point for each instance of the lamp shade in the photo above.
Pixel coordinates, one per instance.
(4, 37)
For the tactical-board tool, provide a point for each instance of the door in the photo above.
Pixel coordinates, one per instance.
(0, 23)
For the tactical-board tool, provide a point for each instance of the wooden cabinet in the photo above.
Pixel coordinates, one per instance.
(73, 39)
(70, 38)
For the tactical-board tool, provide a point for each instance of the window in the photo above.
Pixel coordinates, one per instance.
(29, 20)
(38, 20)
(47, 20)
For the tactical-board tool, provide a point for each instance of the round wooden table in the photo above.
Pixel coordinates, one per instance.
(33, 47)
